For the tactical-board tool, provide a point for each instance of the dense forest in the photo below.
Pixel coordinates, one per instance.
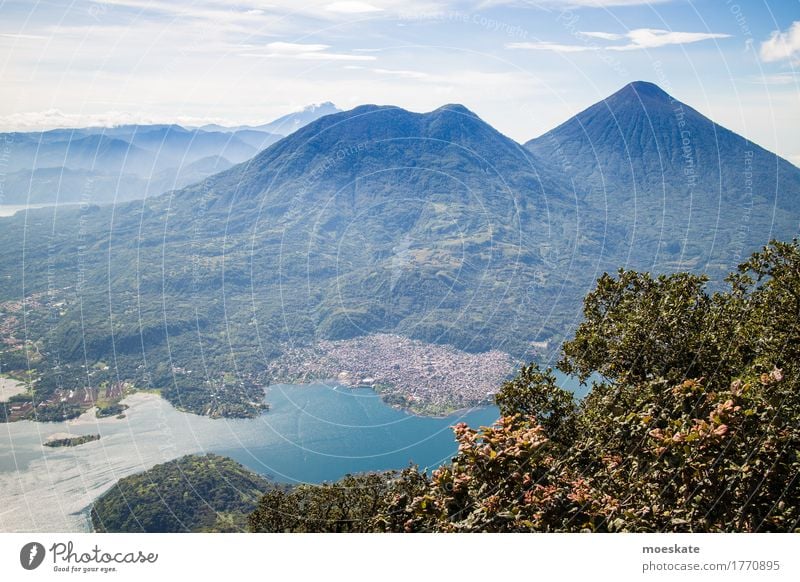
(191, 494)
(696, 427)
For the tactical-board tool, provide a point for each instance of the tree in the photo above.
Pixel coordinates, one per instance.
(763, 307)
(356, 503)
(637, 327)
(535, 394)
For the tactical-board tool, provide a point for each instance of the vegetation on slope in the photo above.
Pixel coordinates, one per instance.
(362, 222)
(191, 494)
(695, 428)
(349, 505)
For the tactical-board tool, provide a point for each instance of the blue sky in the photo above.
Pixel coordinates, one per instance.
(523, 66)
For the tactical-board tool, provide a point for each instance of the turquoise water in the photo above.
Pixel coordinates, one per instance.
(319, 432)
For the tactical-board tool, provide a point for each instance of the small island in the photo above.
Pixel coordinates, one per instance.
(71, 441)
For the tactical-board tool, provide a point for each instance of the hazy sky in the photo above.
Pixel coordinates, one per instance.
(523, 66)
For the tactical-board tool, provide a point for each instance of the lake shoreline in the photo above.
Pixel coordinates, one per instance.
(566, 382)
(410, 410)
(313, 434)
(10, 387)
(334, 383)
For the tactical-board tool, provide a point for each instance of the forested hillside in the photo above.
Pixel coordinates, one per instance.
(191, 494)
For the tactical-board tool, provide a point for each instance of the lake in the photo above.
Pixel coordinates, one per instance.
(312, 433)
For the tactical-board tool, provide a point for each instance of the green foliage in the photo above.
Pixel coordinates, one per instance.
(193, 493)
(763, 308)
(636, 327)
(57, 412)
(111, 410)
(536, 394)
(503, 479)
(697, 430)
(357, 503)
(650, 457)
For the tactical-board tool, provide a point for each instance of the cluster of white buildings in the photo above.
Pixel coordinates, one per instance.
(428, 376)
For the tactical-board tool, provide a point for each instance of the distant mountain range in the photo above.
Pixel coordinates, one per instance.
(127, 162)
(434, 226)
(286, 124)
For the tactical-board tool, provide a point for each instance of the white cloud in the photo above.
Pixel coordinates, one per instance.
(603, 35)
(611, 3)
(782, 45)
(352, 8)
(403, 73)
(640, 38)
(293, 48)
(20, 36)
(645, 38)
(334, 57)
(281, 13)
(776, 79)
(55, 118)
(577, 3)
(549, 46)
(302, 51)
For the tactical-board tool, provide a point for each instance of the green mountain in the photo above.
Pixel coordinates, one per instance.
(196, 493)
(675, 190)
(377, 220)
